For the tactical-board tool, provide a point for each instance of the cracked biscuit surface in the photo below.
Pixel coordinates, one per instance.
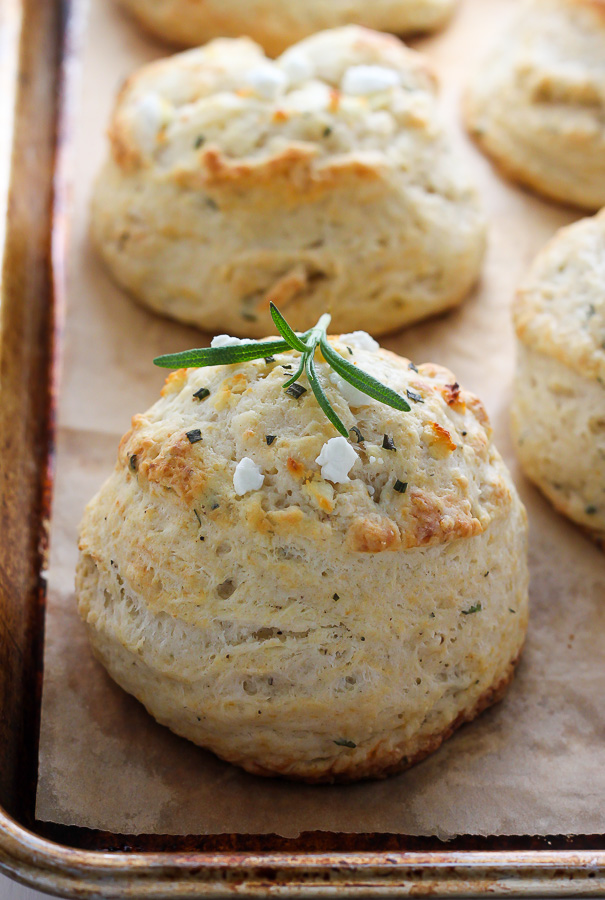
(559, 395)
(276, 24)
(310, 628)
(322, 180)
(537, 105)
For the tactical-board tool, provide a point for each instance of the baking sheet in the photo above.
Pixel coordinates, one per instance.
(535, 764)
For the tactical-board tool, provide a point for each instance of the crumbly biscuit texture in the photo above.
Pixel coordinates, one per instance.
(322, 180)
(559, 399)
(302, 626)
(276, 24)
(537, 105)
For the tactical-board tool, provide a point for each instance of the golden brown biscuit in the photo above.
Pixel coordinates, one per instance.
(300, 604)
(320, 181)
(537, 105)
(276, 24)
(559, 399)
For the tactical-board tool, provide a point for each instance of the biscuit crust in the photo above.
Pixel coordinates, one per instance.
(220, 196)
(317, 630)
(537, 106)
(276, 24)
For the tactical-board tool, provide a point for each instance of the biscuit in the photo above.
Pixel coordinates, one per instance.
(276, 24)
(323, 180)
(303, 605)
(537, 106)
(559, 393)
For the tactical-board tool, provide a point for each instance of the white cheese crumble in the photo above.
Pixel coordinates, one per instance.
(247, 477)
(351, 394)
(297, 66)
(267, 81)
(225, 340)
(361, 80)
(360, 339)
(336, 459)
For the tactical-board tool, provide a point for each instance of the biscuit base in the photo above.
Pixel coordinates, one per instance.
(378, 765)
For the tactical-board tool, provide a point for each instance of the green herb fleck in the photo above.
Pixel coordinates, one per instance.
(202, 394)
(327, 131)
(476, 608)
(431, 615)
(413, 395)
(269, 359)
(270, 438)
(514, 611)
(336, 597)
(296, 390)
(200, 139)
(197, 516)
(248, 316)
(388, 443)
(350, 351)
(132, 462)
(194, 435)
(358, 434)
(590, 510)
(212, 204)
(306, 344)
(400, 486)
(412, 367)
(342, 742)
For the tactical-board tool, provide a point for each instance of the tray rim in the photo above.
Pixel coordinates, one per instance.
(69, 871)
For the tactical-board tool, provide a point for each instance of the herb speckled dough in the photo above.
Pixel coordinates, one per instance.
(537, 105)
(559, 396)
(308, 629)
(276, 24)
(323, 180)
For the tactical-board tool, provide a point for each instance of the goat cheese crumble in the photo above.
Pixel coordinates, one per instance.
(351, 394)
(336, 459)
(225, 340)
(360, 339)
(247, 477)
(267, 81)
(362, 80)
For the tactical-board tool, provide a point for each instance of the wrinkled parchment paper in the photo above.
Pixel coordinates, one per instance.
(534, 764)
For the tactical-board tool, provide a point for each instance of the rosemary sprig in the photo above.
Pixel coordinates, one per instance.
(306, 344)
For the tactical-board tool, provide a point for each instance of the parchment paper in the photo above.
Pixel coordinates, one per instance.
(534, 764)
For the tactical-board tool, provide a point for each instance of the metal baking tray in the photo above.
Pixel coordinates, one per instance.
(77, 862)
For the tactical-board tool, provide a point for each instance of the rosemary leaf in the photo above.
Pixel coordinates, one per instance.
(367, 384)
(321, 397)
(286, 332)
(220, 356)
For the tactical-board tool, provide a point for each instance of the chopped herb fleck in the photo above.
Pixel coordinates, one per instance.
(336, 597)
(350, 351)
(357, 433)
(194, 435)
(200, 139)
(485, 574)
(362, 639)
(270, 438)
(132, 462)
(514, 611)
(296, 390)
(269, 359)
(202, 394)
(286, 366)
(248, 316)
(431, 615)
(464, 433)
(400, 486)
(202, 538)
(327, 131)
(412, 367)
(590, 510)
(476, 608)
(211, 203)
(214, 506)
(413, 395)
(342, 742)
(197, 516)
(388, 443)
